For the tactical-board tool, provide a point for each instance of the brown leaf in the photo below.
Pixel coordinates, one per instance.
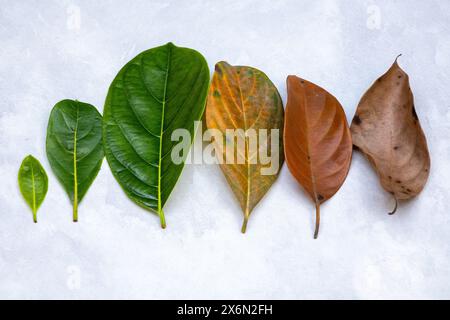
(387, 130)
(244, 98)
(317, 141)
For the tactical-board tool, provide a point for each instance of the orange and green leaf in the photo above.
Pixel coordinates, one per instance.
(244, 98)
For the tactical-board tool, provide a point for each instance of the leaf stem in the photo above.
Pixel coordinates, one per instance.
(75, 210)
(395, 208)
(34, 216)
(162, 219)
(316, 232)
(244, 225)
(246, 216)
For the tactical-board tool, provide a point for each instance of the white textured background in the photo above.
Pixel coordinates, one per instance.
(51, 50)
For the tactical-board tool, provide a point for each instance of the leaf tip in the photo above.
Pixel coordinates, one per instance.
(292, 77)
(396, 61)
(29, 158)
(219, 66)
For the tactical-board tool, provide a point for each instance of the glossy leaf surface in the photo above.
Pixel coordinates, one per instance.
(33, 183)
(244, 98)
(74, 147)
(387, 130)
(317, 141)
(161, 90)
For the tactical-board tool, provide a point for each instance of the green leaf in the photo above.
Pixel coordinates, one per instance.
(74, 147)
(33, 183)
(160, 90)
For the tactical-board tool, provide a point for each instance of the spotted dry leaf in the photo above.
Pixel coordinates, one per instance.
(387, 130)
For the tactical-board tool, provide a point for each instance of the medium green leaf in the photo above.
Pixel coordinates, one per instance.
(160, 90)
(33, 183)
(74, 147)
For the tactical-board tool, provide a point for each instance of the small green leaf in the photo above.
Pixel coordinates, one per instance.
(74, 147)
(33, 183)
(159, 91)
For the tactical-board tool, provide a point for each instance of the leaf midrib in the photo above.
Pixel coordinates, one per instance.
(33, 188)
(75, 173)
(162, 130)
(308, 146)
(247, 200)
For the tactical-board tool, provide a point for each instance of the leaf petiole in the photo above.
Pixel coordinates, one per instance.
(75, 211)
(395, 208)
(244, 225)
(316, 232)
(162, 219)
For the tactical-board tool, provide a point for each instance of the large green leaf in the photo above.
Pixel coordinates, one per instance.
(33, 183)
(74, 147)
(160, 90)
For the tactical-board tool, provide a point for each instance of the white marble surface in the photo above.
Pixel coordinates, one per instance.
(51, 50)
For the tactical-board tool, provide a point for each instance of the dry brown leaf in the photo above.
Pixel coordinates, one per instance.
(387, 130)
(244, 98)
(317, 141)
